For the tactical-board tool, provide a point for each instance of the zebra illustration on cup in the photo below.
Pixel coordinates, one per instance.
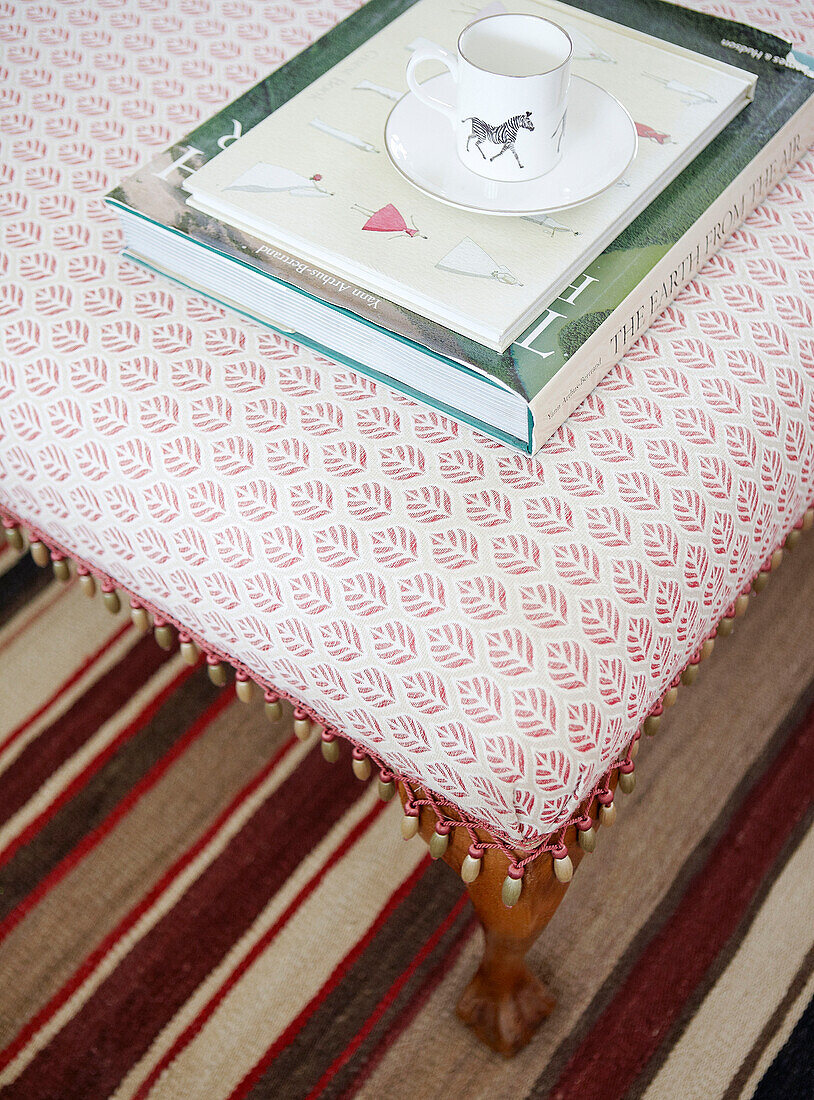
(505, 134)
(506, 66)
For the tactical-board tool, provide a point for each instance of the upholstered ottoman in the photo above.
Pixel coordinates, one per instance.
(487, 633)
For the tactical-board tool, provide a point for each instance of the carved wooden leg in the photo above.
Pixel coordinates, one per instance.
(504, 1002)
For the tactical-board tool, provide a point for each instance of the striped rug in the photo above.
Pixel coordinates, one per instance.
(194, 905)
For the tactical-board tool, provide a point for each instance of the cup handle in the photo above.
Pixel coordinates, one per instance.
(432, 53)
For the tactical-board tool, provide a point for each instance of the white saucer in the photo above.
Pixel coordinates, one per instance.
(600, 143)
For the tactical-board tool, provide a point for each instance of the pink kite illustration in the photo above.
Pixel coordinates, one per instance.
(654, 135)
(387, 219)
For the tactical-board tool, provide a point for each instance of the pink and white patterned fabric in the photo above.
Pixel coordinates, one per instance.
(491, 626)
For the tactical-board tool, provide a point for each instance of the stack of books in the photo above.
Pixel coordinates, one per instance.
(283, 206)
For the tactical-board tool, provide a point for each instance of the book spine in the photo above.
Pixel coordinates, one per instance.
(640, 308)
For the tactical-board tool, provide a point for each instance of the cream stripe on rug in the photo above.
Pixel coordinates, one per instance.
(64, 700)
(38, 658)
(288, 974)
(157, 910)
(779, 1039)
(732, 1015)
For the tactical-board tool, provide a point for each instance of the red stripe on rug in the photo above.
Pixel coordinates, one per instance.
(161, 970)
(45, 606)
(638, 1019)
(262, 944)
(161, 886)
(388, 999)
(66, 685)
(59, 741)
(104, 828)
(93, 766)
(256, 1072)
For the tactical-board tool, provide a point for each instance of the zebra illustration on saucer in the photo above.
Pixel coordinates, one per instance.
(505, 134)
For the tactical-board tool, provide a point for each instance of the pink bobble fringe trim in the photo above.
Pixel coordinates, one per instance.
(554, 845)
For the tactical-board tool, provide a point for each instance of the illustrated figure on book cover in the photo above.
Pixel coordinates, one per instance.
(387, 219)
(271, 178)
(468, 258)
(380, 89)
(645, 131)
(341, 135)
(550, 223)
(692, 96)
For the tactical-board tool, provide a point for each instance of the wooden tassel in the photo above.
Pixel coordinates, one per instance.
(586, 838)
(189, 650)
(14, 537)
(793, 538)
(87, 582)
(361, 765)
(140, 617)
(330, 748)
(669, 697)
(165, 637)
(217, 673)
(62, 569)
(607, 813)
(808, 520)
(302, 724)
(760, 581)
(512, 889)
(273, 707)
(244, 688)
(110, 599)
(650, 726)
(726, 626)
(409, 825)
(689, 675)
(707, 648)
(471, 867)
(563, 867)
(439, 842)
(777, 558)
(387, 786)
(39, 552)
(741, 605)
(627, 779)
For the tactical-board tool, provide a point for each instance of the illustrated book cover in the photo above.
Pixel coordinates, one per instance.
(313, 176)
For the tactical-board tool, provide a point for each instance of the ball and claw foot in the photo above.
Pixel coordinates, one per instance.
(506, 1017)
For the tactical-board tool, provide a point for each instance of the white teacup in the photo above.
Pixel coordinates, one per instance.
(512, 74)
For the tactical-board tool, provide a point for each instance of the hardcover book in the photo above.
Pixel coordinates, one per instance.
(522, 394)
(313, 178)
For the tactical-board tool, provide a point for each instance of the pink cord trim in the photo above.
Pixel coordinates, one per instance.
(518, 858)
